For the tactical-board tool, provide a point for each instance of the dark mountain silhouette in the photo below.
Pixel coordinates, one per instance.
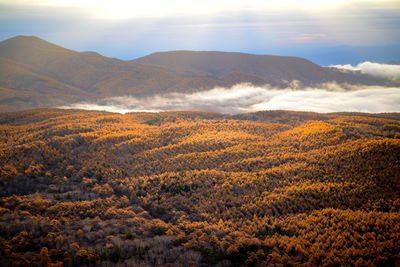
(36, 73)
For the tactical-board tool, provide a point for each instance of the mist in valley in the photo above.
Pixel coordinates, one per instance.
(242, 98)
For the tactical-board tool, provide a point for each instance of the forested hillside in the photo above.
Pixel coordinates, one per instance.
(199, 189)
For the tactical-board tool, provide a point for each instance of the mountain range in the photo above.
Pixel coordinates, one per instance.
(36, 73)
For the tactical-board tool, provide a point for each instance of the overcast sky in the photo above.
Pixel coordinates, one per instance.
(327, 32)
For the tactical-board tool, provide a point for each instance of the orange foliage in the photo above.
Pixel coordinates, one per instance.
(283, 188)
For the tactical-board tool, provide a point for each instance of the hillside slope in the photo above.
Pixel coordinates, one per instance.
(21, 88)
(199, 189)
(74, 68)
(102, 76)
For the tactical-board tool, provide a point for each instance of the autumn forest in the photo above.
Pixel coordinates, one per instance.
(176, 188)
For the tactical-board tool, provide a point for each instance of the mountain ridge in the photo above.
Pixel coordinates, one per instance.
(90, 76)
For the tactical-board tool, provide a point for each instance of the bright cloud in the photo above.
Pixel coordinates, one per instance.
(246, 98)
(387, 71)
(372, 100)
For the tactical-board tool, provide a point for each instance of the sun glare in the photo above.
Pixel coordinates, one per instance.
(120, 9)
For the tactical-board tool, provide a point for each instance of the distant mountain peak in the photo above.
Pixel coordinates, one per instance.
(28, 40)
(20, 46)
(27, 37)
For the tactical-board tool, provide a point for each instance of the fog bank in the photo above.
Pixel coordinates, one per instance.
(243, 98)
(387, 71)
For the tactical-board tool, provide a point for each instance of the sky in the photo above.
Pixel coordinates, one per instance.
(327, 32)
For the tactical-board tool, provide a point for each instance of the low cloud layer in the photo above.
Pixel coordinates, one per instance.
(386, 71)
(246, 98)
